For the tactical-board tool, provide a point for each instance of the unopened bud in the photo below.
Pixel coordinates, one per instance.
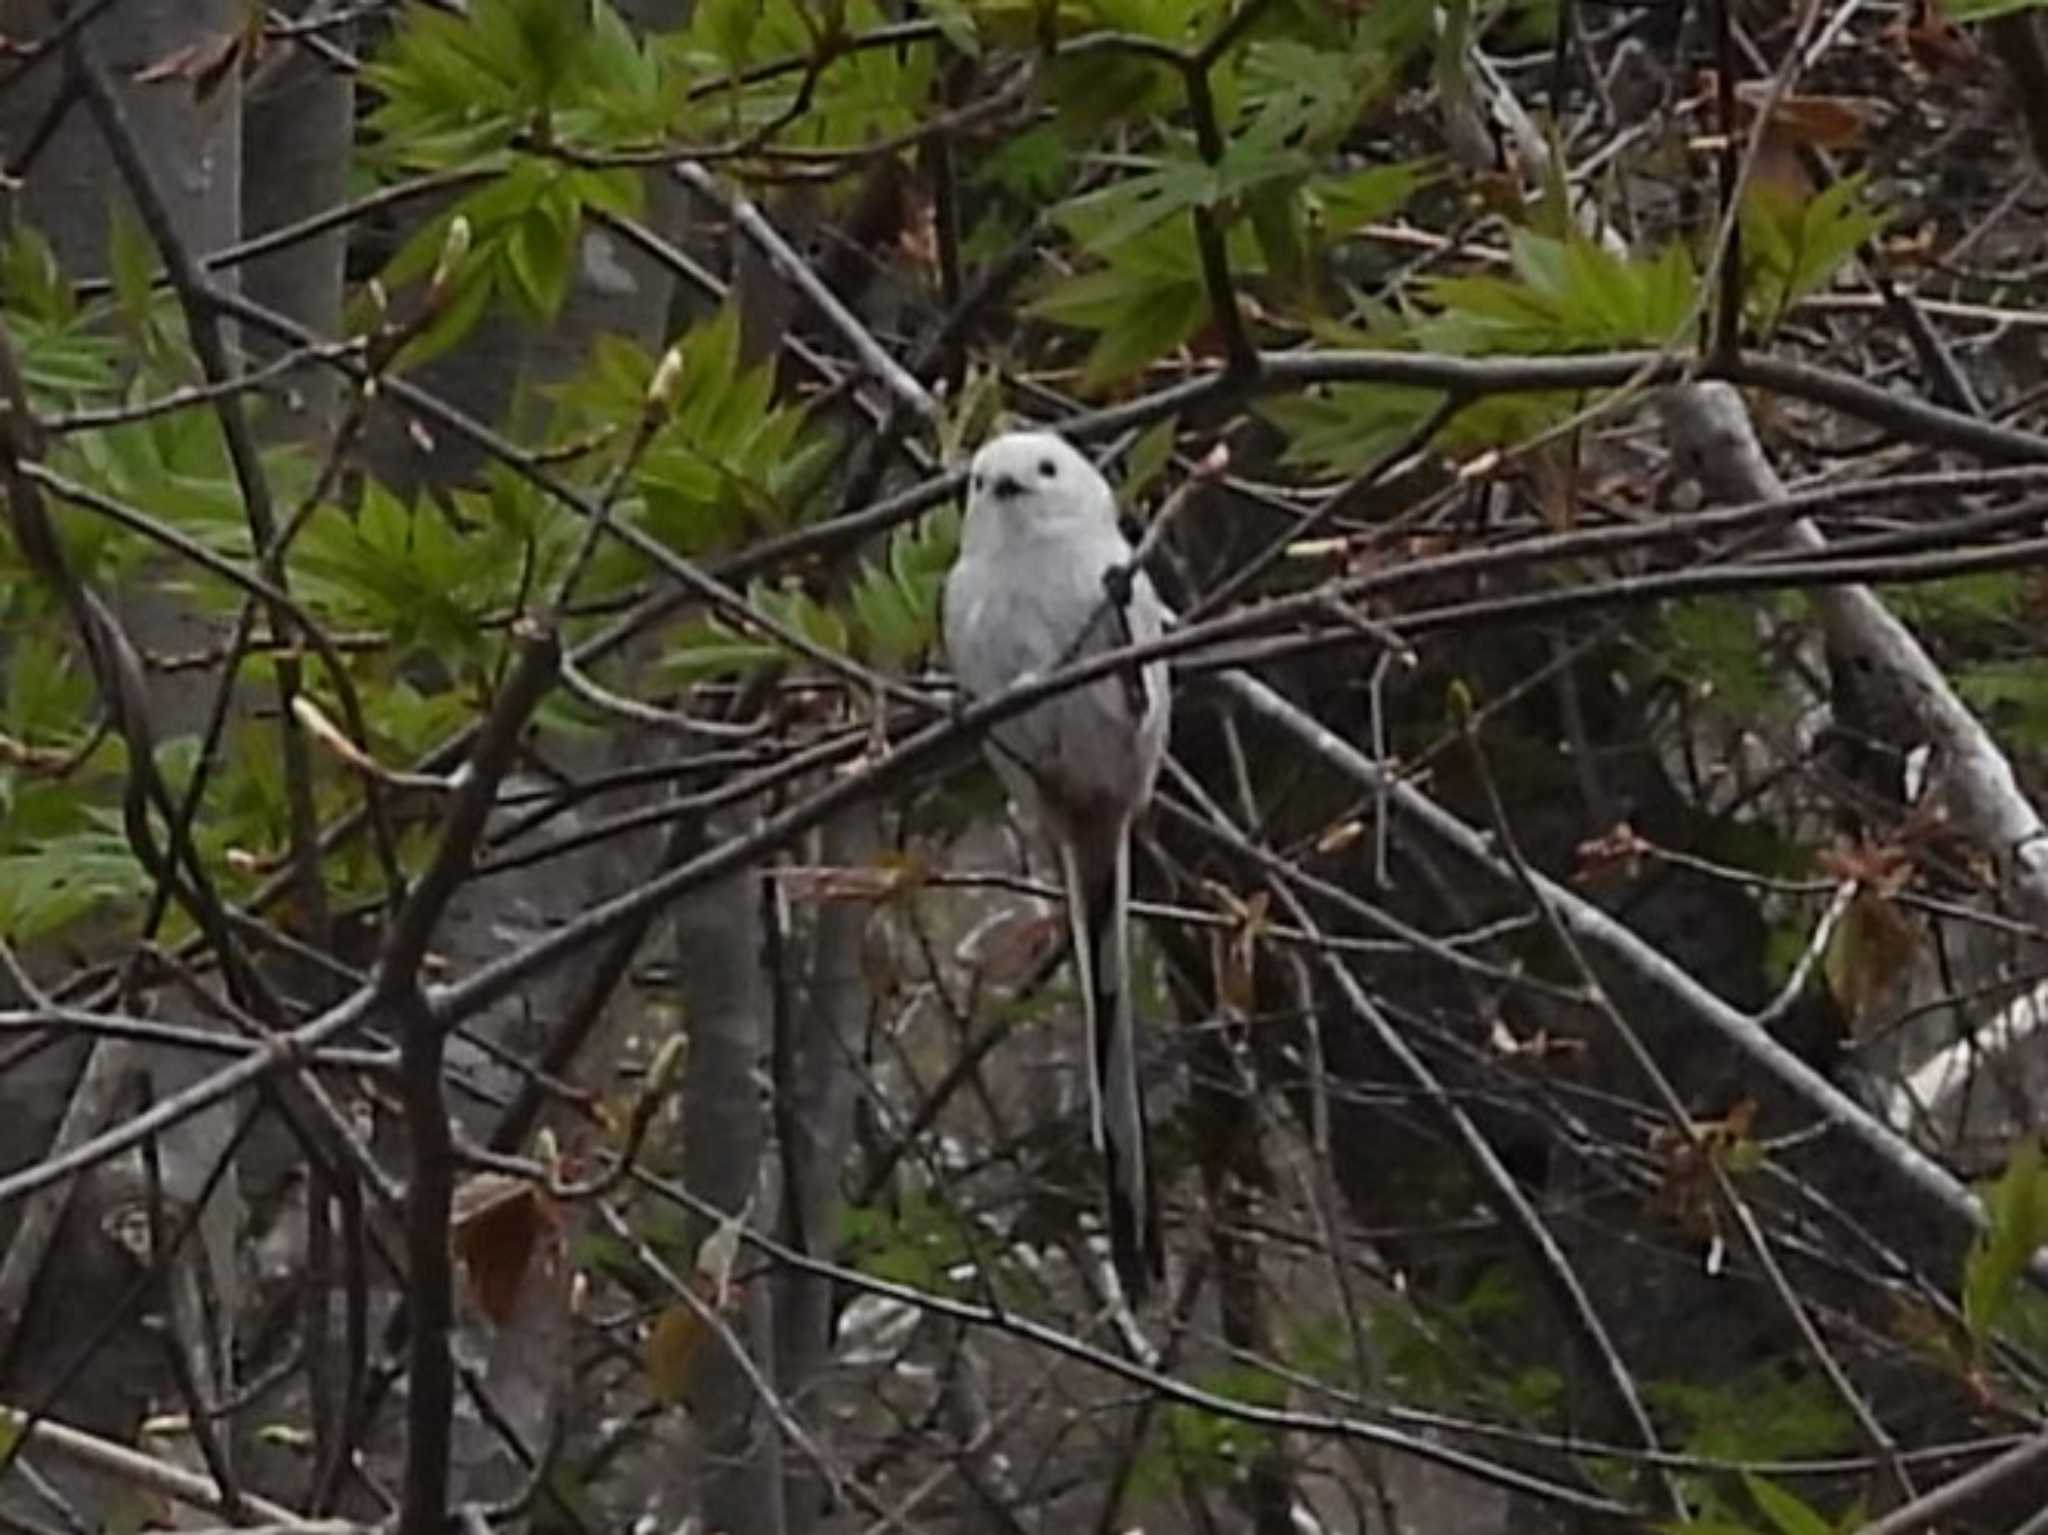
(667, 382)
(666, 1065)
(454, 251)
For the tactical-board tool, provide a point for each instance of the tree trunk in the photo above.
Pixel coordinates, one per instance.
(817, 1132)
(738, 1463)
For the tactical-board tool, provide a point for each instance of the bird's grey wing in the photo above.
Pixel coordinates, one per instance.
(1098, 745)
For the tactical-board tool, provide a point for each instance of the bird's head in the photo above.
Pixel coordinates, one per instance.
(1036, 477)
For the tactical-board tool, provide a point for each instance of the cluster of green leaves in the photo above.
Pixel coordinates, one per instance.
(62, 352)
(496, 92)
(849, 94)
(914, 1239)
(889, 615)
(1562, 294)
(1711, 644)
(1286, 101)
(526, 226)
(59, 854)
(1962, 11)
(2015, 1228)
(728, 464)
(1145, 301)
(1794, 246)
(1435, 1350)
(533, 95)
(1779, 1510)
(1190, 1445)
(429, 580)
(1985, 625)
(456, 87)
(1763, 1414)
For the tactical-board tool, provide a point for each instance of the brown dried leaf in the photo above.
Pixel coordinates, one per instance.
(1885, 867)
(1933, 43)
(497, 1228)
(917, 241)
(1687, 1193)
(1553, 474)
(672, 1347)
(1618, 849)
(1233, 949)
(206, 62)
(1823, 122)
(887, 877)
(1870, 950)
(1010, 948)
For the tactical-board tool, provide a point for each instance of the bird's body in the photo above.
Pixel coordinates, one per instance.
(1035, 589)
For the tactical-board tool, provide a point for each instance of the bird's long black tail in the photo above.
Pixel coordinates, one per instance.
(1100, 912)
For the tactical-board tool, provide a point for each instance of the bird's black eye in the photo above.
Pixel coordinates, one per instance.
(1047, 468)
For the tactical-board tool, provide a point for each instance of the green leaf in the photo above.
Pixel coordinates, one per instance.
(1147, 299)
(729, 26)
(1964, 11)
(1345, 427)
(1033, 166)
(957, 23)
(710, 649)
(1765, 1413)
(1365, 197)
(539, 252)
(46, 887)
(2013, 695)
(1103, 221)
(1569, 294)
(48, 693)
(2016, 1216)
(1986, 602)
(459, 316)
(1148, 458)
(1151, 324)
(728, 464)
(1210, 1448)
(450, 87)
(914, 1239)
(131, 260)
(1794, 247)
(895, 606)
(1712, 645)
(31, 279)
(1789, 1514)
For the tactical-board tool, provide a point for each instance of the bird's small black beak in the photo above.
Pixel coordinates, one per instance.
(1006, 486)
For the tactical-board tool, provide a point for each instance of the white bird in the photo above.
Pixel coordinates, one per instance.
(1045, 578)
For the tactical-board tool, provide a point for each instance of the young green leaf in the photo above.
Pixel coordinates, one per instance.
(1794, 247)
(2016, 1225)
(1789, 1514)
